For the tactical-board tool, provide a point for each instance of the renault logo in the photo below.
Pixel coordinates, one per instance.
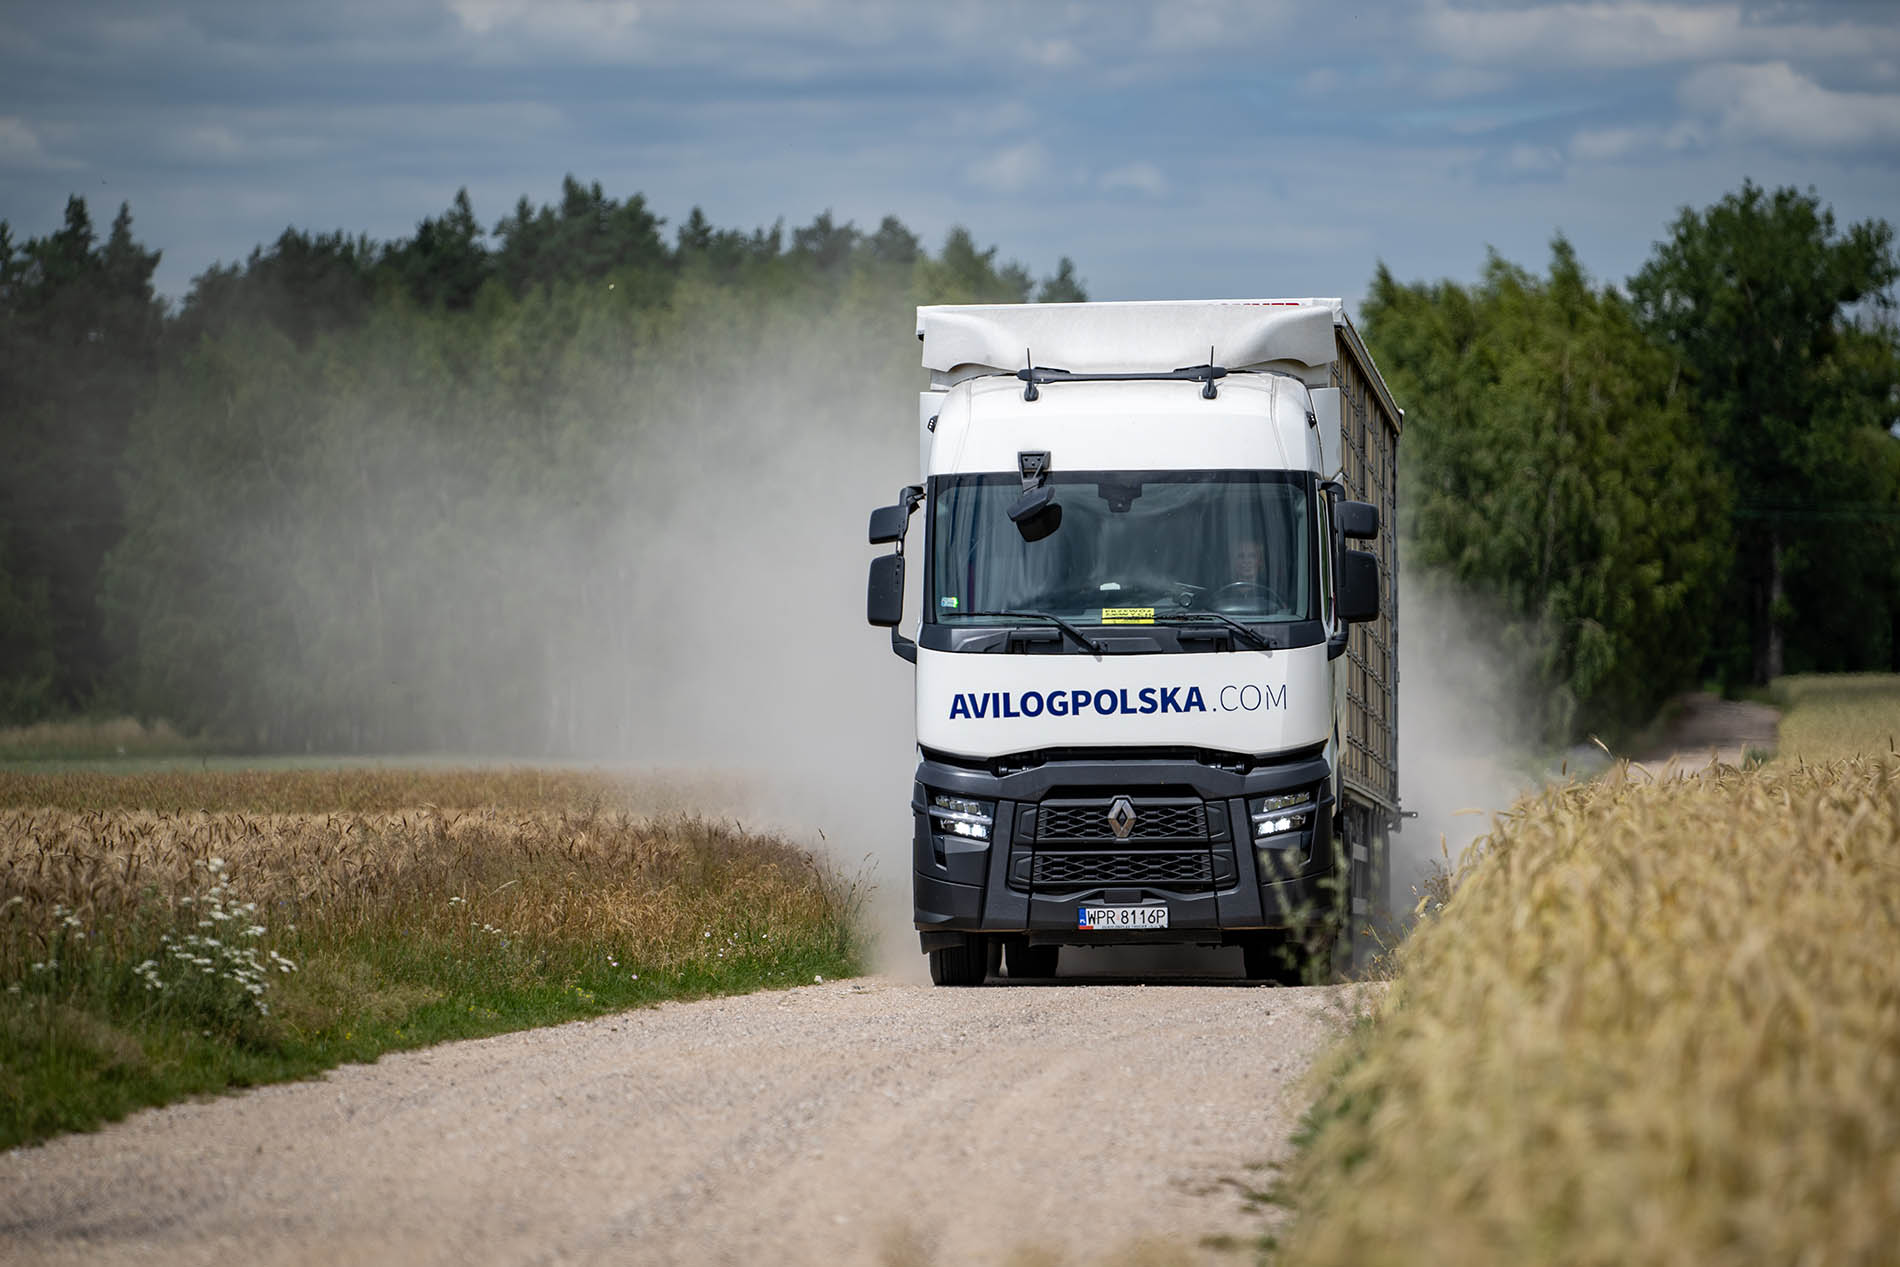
(1121, 817)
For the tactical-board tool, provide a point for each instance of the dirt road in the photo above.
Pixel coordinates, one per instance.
(855, 1122)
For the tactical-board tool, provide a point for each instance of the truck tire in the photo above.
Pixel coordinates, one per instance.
(1364, 899)
(1025, 961)
(967, 963)
(1265, 957)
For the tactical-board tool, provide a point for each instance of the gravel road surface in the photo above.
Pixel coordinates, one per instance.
(854, 1122)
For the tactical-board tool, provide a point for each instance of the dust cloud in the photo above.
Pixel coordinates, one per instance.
(1466, 728)
(749, 656)
(709, 626)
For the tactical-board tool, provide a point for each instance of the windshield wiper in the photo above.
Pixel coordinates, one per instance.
(1057, 621)
(1198, 616)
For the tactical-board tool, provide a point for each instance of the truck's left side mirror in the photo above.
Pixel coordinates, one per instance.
(884, 592)
(1358, 585)
(1358, 521)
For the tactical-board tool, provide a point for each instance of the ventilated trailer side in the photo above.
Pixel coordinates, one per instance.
(1369, 427)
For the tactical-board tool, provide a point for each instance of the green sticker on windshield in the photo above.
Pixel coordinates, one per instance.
(947, 601)
(1128, 615)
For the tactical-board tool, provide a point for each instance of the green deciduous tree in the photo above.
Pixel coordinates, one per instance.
(1756, 300)
(1548, 464)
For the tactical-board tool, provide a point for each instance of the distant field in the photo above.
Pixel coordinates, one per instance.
(163, 934)
(82, 739)
(1838, 715)
(330, 788)
(1656, 1022)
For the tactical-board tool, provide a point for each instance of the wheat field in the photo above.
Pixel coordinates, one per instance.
(167, 934)
(1658, 1021)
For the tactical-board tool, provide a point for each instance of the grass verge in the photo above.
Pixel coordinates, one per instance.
(1656, 1022)
(148, 955)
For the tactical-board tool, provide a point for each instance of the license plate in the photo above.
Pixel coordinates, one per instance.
(1092, 917)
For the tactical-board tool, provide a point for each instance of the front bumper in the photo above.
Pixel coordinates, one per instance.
(1040, 862)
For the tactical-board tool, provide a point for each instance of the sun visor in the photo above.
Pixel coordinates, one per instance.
(1108, 338)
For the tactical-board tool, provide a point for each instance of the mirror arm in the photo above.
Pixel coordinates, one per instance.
(905, 648)
(1336, 644)
(908, 496)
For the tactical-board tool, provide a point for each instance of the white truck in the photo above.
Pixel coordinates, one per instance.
(1156, 693)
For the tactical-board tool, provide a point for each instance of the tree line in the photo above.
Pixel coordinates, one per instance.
(362, 496)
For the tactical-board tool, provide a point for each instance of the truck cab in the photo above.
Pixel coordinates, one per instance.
(1137, 712)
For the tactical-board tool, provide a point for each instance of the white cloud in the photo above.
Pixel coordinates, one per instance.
(1533, 158)
(18, 143)
(1010, 170)
(209, 142)
(1608, 145)
(989, 119)
(1624, 33)
(1144, 178)
(1457, 82)
(1052, 54)
(585, 18)
(1774, 102)
(277, 134)
(1191, 25)
(20, 147)
(593, 30)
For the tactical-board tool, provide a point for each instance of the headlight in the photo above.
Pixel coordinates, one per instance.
(1281, 815)
(960, 816)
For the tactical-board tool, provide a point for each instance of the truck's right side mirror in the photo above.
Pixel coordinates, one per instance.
(888, 524)
(884, 592)
(1358, 584)
(1358, 521)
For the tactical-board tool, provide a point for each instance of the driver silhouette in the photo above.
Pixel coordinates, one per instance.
(1249, 561)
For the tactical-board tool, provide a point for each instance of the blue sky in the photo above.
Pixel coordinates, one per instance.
(1177, 148)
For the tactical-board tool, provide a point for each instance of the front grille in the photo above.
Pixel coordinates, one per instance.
(1169, 869)
(1081, 821)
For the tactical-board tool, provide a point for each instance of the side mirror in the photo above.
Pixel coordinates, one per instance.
(884, 592)
(1358, 584)
(1036, 513)
(1358, 521)
(888, 524)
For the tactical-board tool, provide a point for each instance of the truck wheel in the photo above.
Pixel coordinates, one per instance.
(1270, 958)
(1024, 960)
(1353, 921)
(964, 964)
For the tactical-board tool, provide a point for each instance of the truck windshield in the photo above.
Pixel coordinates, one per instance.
(1132, 546)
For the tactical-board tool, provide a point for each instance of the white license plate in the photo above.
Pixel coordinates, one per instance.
(1121, 917)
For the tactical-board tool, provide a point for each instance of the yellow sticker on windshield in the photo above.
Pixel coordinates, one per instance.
(1128, 615)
